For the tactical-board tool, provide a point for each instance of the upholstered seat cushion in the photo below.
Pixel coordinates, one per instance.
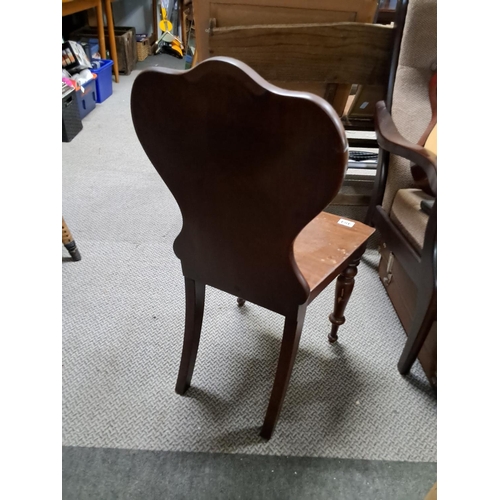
(407, 215)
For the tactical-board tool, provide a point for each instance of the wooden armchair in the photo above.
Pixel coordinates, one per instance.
(251, 168)
(404, 204)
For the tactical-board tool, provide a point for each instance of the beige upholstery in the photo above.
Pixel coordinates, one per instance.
(431, 142)
(411, 109)
(408, 216)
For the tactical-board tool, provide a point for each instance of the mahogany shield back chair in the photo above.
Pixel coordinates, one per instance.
(251, 168)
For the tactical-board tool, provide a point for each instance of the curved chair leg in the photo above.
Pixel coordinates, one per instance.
(288, 352)
(195, 303)
(343, 291)
(69, 242)
(425, 315)
(240, 301)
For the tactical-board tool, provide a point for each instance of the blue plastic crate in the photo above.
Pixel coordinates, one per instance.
(104, 85)
(86, 98)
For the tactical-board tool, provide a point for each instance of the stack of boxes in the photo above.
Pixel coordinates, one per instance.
(86, 82)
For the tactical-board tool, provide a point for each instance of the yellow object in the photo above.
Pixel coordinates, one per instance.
(177, 47)
(165, 24)
(432, 495)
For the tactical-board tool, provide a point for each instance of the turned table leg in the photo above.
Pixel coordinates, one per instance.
(69, 242)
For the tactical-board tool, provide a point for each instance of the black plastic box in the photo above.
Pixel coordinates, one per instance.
(71, 121)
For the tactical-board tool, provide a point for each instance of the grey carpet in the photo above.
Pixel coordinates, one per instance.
(123, 315)
(104, 474)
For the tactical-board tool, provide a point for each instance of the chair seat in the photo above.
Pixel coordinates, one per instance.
(323, 247)
(408, 216)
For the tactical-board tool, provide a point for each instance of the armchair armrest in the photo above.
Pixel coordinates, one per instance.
(391, 140)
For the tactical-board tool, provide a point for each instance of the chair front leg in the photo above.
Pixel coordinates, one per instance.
(343, 291)
(195, 303)
(289, 346)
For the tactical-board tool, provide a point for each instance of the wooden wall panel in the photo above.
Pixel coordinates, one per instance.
(247, 12)
(315, 53)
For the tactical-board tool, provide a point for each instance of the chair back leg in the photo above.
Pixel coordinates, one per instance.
(195, 303)
(424, 316)
(289, 346)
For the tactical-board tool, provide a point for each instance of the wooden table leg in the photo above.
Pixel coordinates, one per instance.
(100, 30)
(183, 27)
(69, 242)
(112, 40)
(155, 20)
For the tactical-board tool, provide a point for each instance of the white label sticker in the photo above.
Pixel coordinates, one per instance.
(347, 223)
(363, 106)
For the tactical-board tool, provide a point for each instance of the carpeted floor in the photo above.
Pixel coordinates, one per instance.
(123, 315)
